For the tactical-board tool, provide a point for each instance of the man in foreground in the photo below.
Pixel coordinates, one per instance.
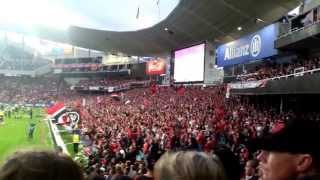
(40, 165)
(291, 153)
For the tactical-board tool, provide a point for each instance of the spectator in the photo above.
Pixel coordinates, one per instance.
(229, 161)
(150, 162)
(188, 166)
(40, 165)
(120, 174)
(292, 152)
(251, 170)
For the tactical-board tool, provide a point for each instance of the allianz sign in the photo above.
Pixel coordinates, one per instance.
(253, 49)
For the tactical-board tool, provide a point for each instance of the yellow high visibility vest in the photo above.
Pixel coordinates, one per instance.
(76, 138)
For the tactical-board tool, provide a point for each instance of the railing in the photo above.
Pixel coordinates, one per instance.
(56, 137)
(262, 83)
(298, 29)
(112, 88)
(300, 73)
(43, 70)
(17, 73)
(246, 75)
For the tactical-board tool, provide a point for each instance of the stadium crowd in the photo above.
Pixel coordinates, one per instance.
(145, 123)
(276, 70)
(167, 132)
(124, 135)
(26, 90)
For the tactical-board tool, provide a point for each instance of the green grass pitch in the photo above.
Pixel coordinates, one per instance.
(13, 134)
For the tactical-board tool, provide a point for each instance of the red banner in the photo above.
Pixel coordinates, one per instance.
(55, 109)
(155, 67)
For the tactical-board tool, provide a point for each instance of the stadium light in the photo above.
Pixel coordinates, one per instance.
(295, 11)
(258, 20)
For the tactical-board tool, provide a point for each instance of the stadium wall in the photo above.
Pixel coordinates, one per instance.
(74, 81)
(310, 4)
(212, 75)
(43, 70)
(17, 73)
(56, 137)
(307, 84)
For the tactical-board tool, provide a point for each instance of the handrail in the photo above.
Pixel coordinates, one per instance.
(299, 29)
(294, 74)
(246, 75)
(289, 75)
(56, 137)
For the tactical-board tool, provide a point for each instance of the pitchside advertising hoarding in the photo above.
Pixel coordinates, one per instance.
(256, 46)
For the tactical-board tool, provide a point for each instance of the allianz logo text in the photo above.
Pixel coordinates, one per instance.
(253, 49)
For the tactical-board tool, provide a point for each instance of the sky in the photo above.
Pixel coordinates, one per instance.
(113, 15)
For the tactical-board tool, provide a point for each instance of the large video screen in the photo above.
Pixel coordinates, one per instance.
(189, 64)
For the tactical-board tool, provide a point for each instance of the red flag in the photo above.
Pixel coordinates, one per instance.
(153, 88)
(146, 102)
(55, 109)
(181, 90)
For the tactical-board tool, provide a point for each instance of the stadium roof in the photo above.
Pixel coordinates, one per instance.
(191, 21)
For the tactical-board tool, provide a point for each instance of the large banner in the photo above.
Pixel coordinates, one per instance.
(69, 119)
(55, 109)
(155, 67)
(256, 46)
(247, 85)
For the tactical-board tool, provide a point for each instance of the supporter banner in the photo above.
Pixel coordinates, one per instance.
(55, 109)
(94, 88)
(110, 89)
(253, 47)
(247, 85)
(88, 65)
(155, 67)
(69, 119)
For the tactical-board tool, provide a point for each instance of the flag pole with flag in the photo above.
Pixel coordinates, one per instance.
(138, 12)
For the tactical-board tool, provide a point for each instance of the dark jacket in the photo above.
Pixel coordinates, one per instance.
(313, 177)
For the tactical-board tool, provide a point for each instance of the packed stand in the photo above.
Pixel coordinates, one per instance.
(125, 134)
(144, 123)
(27, 90)
(277, 70)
